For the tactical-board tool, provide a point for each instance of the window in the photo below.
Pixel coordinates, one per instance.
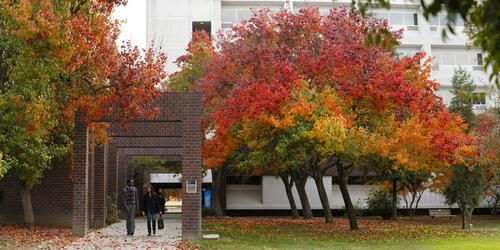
(457, 57)
(205, 25)
(442, 20)
(382, 16)
(448, 58)
(231, 16)
(247, 180)
(324, 12)
(433, 20)
(228, 17)
(351, 180)
(479, 59)
(479, 98)
(394, 18)
(462, 58)
(409, 19)
(243, 15)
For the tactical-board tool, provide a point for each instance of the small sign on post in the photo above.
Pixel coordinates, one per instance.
(190, 186)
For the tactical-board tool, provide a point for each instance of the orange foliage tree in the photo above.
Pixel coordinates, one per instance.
(57, 57)
(301, 91)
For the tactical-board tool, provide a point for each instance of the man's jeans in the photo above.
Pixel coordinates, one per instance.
(151, 217)
(130, 217)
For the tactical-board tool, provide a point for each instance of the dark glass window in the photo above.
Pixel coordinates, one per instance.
(479, 59)
(247, 180)
(205, 25)
(351, 180)
(479, 98)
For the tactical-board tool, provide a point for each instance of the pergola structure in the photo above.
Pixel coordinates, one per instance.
(175, 132)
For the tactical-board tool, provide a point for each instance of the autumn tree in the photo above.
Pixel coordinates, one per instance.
(488, 138)
(321, 99)
(57, 57)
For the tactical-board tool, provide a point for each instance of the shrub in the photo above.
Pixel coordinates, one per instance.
(379, 202)
(112, 216)
(358, 209)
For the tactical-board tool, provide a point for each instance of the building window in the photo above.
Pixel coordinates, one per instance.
(479, 59)
(351, 180)
(205, 25)
(449, 57)
(442, 20)
(246, 180)
(394, 18)
(479, 98)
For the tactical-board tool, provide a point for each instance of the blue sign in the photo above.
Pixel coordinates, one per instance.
(207, 199)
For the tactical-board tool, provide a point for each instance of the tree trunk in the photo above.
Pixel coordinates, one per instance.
(353, 221)
(29, 218)
(289, 194)
(463, 218)
(219, 175)
(323, 197)
(300, 184)
(394, 200)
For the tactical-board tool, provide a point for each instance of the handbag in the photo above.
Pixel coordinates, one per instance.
(160, 223)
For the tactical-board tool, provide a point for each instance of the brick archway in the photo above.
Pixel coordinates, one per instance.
(175, 131)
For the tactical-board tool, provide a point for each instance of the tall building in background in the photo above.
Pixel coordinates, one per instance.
(170, 24)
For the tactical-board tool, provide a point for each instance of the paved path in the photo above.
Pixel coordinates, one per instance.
(115, 236)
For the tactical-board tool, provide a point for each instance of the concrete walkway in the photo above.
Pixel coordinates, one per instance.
(115, 236)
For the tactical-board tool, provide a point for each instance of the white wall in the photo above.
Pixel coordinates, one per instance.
(169, 24)
(271, 195)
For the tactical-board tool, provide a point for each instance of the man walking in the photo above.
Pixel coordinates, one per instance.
(131, 200)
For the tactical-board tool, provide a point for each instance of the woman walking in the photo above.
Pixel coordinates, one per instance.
(150, 208)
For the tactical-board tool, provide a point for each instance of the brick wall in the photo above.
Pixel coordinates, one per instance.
(52, 199)
(59, 201)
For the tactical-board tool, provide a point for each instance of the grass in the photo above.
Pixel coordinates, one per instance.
(285, 233)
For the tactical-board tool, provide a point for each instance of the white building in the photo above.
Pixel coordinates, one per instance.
(170, 24)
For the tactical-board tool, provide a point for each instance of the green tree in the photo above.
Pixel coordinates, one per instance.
(463, 93)
(465, 188)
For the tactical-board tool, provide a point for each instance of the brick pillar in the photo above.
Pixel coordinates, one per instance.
(112, 169)
(100, 186)
(191, 165)
(80, 177)
(122, 176)
(91, 182)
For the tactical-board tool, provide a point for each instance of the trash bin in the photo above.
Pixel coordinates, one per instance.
(207, 199)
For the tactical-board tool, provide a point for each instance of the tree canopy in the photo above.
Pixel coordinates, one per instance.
(57, 57)
(301, 90)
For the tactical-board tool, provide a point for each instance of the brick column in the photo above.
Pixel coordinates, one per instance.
(91, 181)
(191, 165)
(100, 186)
(80, 177)
(112, 169)
(122, 176)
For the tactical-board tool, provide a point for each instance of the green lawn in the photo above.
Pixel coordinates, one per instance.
(284, 233)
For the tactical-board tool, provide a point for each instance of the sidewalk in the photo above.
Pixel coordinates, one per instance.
(115, 236)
